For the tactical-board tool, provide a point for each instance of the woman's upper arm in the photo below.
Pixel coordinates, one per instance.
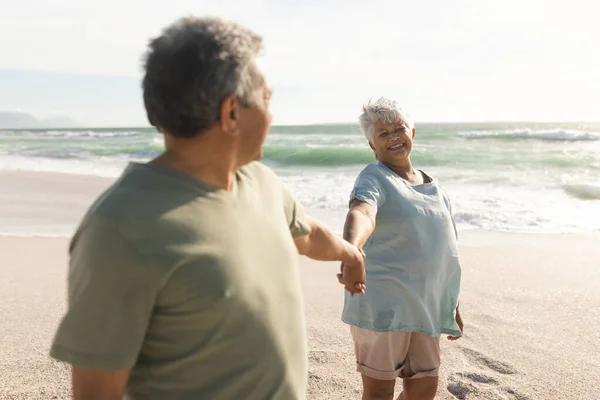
(368, 189)
(364, 208)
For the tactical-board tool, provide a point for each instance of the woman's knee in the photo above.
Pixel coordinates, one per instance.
(378, 395)
(376, 389)
(420, 389)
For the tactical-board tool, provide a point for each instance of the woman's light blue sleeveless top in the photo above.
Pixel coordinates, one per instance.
(412, 260)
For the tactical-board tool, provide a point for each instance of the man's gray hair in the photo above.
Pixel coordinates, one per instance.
(192, 67)
(381, 109)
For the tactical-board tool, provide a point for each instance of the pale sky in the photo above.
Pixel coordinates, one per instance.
(475, 60)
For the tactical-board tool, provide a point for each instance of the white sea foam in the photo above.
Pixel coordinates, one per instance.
(37, 232)
(89, 133)
(540, 134)
(485, 206)
(513, 188)
(583, 191)
(108, 168)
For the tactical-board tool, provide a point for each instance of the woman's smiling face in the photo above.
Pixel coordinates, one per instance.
(391, 141)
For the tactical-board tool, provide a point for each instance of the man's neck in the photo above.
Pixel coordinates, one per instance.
(212, 163)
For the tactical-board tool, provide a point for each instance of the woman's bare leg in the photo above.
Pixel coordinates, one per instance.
(376, 389)
(419, 389)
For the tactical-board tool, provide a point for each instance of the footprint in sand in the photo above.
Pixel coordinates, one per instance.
(466, 391)
(460, 390)
(320, 356)
(463, 384)
(484, 361)
(472, 385)
(314, 377)
(478, 377)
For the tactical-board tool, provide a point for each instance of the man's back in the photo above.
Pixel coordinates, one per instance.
(193, 287)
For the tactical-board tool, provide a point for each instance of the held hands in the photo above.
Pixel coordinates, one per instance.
(352, 271)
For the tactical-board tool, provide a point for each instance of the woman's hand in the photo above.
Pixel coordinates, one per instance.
(352, 272)
(460, 324)
(360, 223)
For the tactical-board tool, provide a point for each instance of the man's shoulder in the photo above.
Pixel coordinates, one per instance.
(118, 199)
(261, 174)
(129, 201)
(257, 169)
(108, 211)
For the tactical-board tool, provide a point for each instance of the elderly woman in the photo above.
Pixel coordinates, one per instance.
(401, 218)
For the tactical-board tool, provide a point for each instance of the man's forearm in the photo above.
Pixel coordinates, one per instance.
(321, 244)
(89, 384)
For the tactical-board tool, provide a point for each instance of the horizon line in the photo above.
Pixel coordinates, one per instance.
(324, 124)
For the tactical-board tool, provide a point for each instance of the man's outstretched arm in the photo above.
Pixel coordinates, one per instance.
(89, 384)
(321, 244)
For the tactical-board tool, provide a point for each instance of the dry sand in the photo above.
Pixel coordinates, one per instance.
(531, 305)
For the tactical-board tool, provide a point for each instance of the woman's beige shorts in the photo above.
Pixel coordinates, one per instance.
(391, 355)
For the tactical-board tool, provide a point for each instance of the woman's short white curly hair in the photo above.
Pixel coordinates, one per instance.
(382, 108)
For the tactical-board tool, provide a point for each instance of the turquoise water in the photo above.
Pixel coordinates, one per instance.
(503, 176)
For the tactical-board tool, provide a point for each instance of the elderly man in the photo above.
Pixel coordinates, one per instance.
(183, 278)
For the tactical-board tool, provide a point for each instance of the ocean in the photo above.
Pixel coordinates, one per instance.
(517, 177)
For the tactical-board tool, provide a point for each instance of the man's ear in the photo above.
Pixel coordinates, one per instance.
(371, 146)
(414, 131)
(229, 115)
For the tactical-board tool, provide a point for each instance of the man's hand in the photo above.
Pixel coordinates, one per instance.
(321, 244)
(352, 271)
(460, 324)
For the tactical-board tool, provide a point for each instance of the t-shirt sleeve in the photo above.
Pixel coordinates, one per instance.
(295, 214)
(368, 189)
(110, 301)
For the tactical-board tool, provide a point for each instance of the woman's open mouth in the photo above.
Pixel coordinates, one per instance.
(396, 146)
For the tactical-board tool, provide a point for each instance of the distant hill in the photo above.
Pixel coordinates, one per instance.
(20, 120)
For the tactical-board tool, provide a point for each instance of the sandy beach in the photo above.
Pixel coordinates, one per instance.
(531, 304)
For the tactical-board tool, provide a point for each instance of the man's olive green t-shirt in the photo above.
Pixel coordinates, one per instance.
(194, 288)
